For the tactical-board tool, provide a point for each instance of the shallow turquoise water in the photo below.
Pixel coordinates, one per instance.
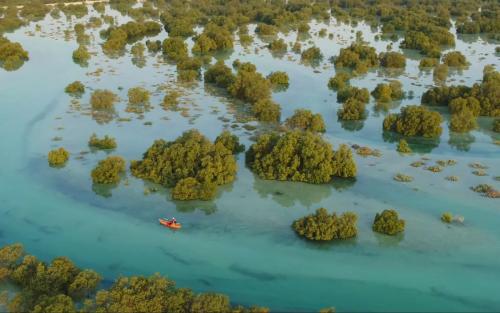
(241, 243)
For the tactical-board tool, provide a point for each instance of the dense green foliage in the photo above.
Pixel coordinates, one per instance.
(455, 59)
(250, 86)
(388, 92)
(403, 146)
(388, 222)
(392, 60)
(60, 286)
(360, 94)
(428, 40)
(428, 63)
(220, 75)
(305, 120)
(278, 79)
(175, 48)
(311, 55)
(117, 37)
(81, 55)
(339, 81)
(213, 38)
(138, 95)
(352, 110)
(482, 98)
(463, 121)
(75, 88)
(102, 99)
(278, 46)
(414, 120)
(357, 57)
(105, 143)
(230, 141)
(496, 125)
(299, 156)
(108, 171)
(58, 157)
(322, 226)
(266, 110)
(12, 54)
(190, 157)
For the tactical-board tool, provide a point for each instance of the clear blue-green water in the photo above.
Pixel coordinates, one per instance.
(241, 243)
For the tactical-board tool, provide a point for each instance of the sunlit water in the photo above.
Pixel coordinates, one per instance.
(242, 243)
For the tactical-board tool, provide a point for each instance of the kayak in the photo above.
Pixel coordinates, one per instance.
(169, 224)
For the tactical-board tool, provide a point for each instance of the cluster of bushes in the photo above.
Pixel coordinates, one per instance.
(392, 60)
(103, 99)
(299, 156)
(388, 92)
(61, 286)
(191, 164)
(58, 157)
(358, 57)
(105, 143)
(388, 222)
(482, 98)
(12, 54)
(213, 38)
(428, 40)
(305, 120)
(175, 48)
(138, 95)
(311, 55)
(353, 101)
(339, 81)
(247, 85)
(278, 79)
(109, 170)
(322, 226)
(118, 37)
(75, 88)
(414, 120)
(455, 59)
(81, 55)
(278, 46)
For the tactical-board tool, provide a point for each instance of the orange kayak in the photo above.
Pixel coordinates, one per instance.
(169, 224)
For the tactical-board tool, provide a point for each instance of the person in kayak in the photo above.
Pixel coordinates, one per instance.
(174, 221)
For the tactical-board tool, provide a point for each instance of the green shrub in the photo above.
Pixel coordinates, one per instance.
(191, 155)
(108, 171)
(299, 156)
(388, 92)
(230, 141)
(174, 48)
(266, 110)
(447, 217)
(352, 110)
(305, 120)
(102, 99)
(58, 157)
(278, 46)
(311, 55)
(153, 46)
(455, 59)
(191, 189)
(440, 72)
(322, 226)
(357, 57)
(463, 121)
(250, 86)
(392, 60)
(360, 94)
(81, 55)
(213, 38)
(278, 78)
(12, 54)
(138, 95)
(102, 143)
(428, 63)
(414, 120)
(403, 146)
(339, 81)
(75, 88)
(388, 222)
(220, 75)
(266, 30)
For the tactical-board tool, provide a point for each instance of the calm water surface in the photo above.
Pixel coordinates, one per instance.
(241, 243)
